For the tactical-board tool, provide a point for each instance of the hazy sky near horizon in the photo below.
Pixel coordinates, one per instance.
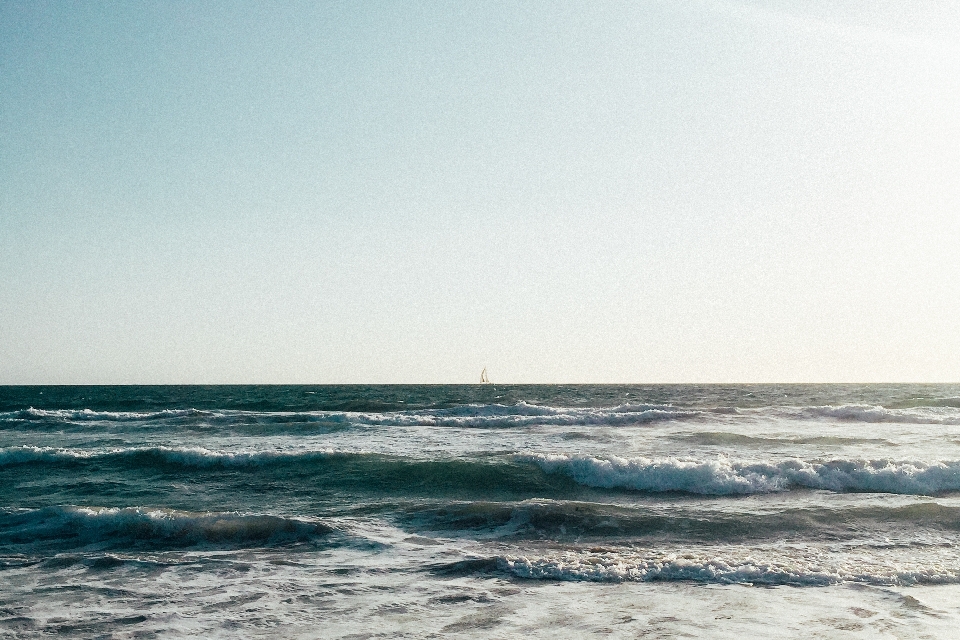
(327, 192)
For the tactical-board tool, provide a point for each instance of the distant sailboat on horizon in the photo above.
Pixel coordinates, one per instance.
(483, 377)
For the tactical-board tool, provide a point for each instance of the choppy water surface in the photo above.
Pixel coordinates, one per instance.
(506, 511)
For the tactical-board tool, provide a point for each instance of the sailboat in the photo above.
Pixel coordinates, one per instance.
(483, 377)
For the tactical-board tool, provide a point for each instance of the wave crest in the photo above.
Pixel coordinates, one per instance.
(151, 528)
(731, 566)
(876, 414)
(723, 476)
(89, 415)
(520, 414)
(196, 457)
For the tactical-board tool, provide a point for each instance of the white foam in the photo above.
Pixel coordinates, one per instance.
(466, 416)
(722, 476)
(780, 566)
(200, 457)
(876, 414)
(26, 454)
(525, 415)
(87, 415)
(519, 415)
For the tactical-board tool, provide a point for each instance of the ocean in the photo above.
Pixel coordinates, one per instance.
(501, 511)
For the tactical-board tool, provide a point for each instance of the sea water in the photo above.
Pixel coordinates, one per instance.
(480, 511)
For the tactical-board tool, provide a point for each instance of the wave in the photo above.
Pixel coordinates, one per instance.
(527, 473)
(329, 469)
(722, 438)
(89, 415)
(195, 457)
(466, 416)
(577, 520)
(730, 566)
(945, 415)
(60, 528)
(521, 414)
(953, 402)
(10, 456)
(243, 422)
(723, 476)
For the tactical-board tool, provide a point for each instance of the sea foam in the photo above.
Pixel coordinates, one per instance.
(781, 566)
(87, 415)
(945, 415)
(723, 476)
(490, 416)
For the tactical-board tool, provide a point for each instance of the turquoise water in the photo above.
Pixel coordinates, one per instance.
(330, 511)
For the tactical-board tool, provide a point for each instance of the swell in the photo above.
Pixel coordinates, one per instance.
(953, 402)
(62, 528)
(323, 470)
(521, 473)
(578, 520)
(146, 398)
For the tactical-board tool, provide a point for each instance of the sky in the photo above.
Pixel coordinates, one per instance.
(407, 192)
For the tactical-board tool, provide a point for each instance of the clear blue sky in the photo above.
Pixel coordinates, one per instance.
(407, 192)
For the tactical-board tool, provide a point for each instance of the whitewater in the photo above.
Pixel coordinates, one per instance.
(480, 511)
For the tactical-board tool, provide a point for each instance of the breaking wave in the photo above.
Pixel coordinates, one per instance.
(530, 473)
(723, 476)
(735, 566)
(947, 415)
(65, 527)
(464, 416)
